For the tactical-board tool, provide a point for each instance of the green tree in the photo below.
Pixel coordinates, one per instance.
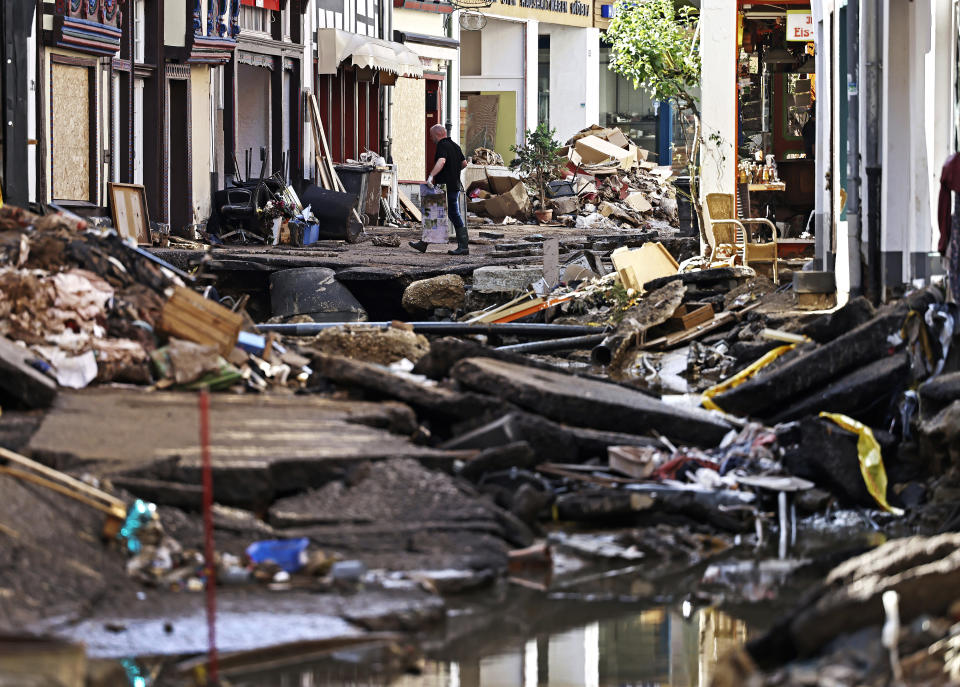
(538, 158)
(654, 43)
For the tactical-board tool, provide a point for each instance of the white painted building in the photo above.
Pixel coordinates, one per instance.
(533, 65)
(916, 121)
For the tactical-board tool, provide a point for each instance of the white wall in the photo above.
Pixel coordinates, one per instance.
(501, 62)
(940, 66)
(718, 45)
(574, 78)
(531, 115)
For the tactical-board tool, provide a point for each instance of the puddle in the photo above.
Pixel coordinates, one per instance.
(658, 646)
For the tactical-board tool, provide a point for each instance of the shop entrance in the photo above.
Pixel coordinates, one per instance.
(433, 115)
(776, 131)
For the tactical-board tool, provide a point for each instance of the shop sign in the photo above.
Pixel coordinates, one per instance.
(799, 26)
(562, 6)
(569, 12)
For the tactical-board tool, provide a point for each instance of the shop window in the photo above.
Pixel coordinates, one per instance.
(139, 34)
(543, 79)
(254, 19)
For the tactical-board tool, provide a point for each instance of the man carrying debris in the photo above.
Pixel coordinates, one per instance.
(449, 161)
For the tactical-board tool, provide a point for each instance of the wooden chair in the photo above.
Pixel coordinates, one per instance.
(724, 227)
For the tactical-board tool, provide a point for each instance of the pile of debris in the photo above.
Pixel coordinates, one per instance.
(606, 183)
(83, 306)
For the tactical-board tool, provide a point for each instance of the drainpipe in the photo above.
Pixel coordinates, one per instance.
(854, 220)
(386, 113)
(448, 25)
(873, 85)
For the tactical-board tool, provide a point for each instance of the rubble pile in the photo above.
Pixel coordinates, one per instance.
(605, 183)
(83, 306)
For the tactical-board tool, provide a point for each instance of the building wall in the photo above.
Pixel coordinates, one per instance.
(200, 138)
(69, 142)
(718, 45)
(502, 50)
(574, 84)
(409, 129)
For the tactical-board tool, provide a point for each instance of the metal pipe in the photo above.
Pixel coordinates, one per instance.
(602, 354)
(854, 220)
(571, 343)
(546, 331)
(872, 17)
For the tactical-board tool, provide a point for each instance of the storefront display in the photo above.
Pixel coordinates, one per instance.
(776, 89)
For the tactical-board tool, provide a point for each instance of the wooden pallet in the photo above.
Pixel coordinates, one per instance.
(188, 315)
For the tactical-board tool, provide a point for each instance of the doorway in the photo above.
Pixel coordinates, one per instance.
(180, 196)
(433, 115)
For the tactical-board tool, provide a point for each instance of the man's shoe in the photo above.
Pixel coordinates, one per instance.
(459, 251)
(418, 245)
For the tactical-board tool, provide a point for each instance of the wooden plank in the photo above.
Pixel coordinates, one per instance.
(188, 315)
(409, 207)
(683, 319)
(338, 185)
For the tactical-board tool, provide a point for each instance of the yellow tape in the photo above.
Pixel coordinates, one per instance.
(706, 399)
(871, 462)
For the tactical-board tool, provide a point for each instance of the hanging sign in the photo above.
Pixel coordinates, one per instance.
(799, 26)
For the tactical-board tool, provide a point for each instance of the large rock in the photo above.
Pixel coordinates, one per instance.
(510, 279)
(445, 291)
(924, 571)
(589, 403)
(382, 346)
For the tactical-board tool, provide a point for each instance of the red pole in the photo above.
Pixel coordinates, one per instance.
(208, 550)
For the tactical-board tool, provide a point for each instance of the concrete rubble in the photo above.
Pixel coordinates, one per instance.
(569, 391)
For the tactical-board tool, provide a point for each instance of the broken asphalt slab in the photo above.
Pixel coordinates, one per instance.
(261, 446)
(433, 400)
(589, 403)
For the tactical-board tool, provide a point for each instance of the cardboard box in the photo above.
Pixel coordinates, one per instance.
(501, 180)
(642, 154)
(637, 267)
(616, 137)
(477, 207)
(593, 150)
(514, 203)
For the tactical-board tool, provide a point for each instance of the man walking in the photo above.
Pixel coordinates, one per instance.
(446, 170)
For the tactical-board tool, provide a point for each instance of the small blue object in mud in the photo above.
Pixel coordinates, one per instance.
(289, 554)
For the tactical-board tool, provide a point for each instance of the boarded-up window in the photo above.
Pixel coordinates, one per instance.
(70, 131)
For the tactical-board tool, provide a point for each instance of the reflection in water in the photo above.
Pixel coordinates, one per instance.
(654, 647)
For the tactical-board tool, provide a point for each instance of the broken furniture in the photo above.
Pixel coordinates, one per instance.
(723, 227)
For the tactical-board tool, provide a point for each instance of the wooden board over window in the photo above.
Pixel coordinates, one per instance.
(72, 137)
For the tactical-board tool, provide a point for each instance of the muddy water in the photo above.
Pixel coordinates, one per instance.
(656, 646)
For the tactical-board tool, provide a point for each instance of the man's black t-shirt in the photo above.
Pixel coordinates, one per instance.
(450, 174)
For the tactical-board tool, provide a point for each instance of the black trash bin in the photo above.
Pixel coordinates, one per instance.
(685, 212)
(364, 182)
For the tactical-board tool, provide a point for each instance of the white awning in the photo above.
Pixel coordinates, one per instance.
(335, 45)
